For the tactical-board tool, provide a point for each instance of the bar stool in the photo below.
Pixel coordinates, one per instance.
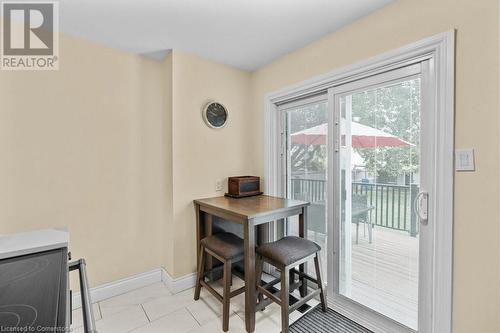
(228, 249)
(285, 255)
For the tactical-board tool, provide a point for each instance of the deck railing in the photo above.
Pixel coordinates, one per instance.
(308, 189)
(394, 204)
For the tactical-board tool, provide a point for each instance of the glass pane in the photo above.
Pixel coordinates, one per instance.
(307, 130)
(379, 177)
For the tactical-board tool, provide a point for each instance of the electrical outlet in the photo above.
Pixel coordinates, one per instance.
(218, 185)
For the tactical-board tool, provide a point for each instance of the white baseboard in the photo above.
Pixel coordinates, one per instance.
(127, 284)
(119, 287)
(179, 284)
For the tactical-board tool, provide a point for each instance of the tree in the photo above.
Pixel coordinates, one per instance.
(395, 110)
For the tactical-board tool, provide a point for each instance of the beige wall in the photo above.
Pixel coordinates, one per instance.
(113, 147)
(168, 234)
(168, 246)
(202, 155)
(82, 148)
(476, 235)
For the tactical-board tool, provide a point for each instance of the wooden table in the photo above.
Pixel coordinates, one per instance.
(250, 212)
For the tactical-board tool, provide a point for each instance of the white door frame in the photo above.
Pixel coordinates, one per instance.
(439, 49)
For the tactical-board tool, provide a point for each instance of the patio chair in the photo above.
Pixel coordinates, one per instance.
(316, 219)
(360, 213)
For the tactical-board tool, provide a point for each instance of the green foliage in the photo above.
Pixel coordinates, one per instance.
(395, 110)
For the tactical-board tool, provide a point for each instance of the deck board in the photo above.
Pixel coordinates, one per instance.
(384, 273)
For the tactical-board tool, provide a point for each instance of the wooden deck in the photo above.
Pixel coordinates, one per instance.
(385, 273)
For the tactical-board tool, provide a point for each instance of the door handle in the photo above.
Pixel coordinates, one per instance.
(422, 207)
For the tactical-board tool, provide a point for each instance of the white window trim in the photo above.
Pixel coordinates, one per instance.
(440, 48)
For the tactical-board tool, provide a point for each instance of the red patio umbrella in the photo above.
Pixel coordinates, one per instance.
(362, 137)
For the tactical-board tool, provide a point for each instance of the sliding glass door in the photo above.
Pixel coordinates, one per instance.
(378, 262)
(379, 169)
(305, 158)
(355, 154)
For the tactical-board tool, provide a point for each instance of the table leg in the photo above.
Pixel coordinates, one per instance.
(208, 232)
(200, 231)
(250, 300)
(303, 234)
(203, 229)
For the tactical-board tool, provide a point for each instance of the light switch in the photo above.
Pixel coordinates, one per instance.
(464, 160)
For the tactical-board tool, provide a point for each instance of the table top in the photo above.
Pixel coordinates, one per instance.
(251, 207)
(31, 242)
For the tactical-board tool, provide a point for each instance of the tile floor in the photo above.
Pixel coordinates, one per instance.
(155, 309)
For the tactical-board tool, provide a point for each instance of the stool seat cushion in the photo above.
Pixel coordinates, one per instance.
(225, 244)
(288, 250)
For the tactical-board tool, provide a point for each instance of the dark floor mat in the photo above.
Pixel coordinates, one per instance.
(317, 321)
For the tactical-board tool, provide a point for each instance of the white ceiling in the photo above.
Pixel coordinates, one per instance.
(243, 33)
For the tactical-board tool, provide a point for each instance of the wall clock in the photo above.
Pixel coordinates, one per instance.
(215, 114)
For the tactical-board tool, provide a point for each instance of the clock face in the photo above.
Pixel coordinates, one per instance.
(215, 115)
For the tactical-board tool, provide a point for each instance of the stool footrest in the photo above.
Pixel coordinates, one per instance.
(271, 283)
(304, 300)
(274, 296)
(237, 292)
(211, 290)
(304, 275)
